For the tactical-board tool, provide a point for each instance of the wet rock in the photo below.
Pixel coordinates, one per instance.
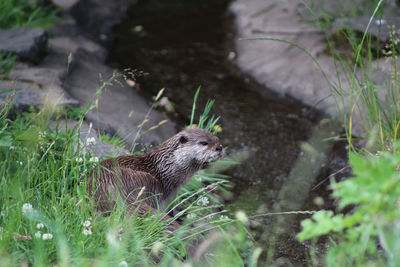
(119, 109)
(27, 43)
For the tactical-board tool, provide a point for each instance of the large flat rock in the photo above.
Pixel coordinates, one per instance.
(35, 86)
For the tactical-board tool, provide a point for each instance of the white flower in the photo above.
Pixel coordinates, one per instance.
(242, 217)
(38, 234)
(86, 223)
(80, 159)
(39, 225)
(87, 231)
(90, 141)
(26, 208)
(94, 159)
(47, 236)
(123, 264)
(20, 163)
(12, 147)
(157, 247)
(203, 201)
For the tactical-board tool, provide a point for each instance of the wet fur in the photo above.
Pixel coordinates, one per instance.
(161, 171)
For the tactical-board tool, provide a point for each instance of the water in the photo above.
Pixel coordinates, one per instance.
(185, 43)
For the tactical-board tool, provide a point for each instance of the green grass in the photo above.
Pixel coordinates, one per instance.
(377, 104)
(47, 169)
(25, 13)
(112, 140)
(6, 63)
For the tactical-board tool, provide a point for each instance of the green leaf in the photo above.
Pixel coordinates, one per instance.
(321, 223)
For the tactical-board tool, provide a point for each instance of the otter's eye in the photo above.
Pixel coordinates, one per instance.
(183, 139)
(203, 143)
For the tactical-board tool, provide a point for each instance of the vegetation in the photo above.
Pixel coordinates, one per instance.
(112, 140)
(47, 218)
(364, 229)
(372, 197)
(325, 18)
(6, 63)
(25, 13)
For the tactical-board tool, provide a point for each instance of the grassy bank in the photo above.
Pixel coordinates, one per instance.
(47, 217)
(363, 230)
(25, 13)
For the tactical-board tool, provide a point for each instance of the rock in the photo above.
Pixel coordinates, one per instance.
(66, 44)
(67, 38)
(379, 27)
(64, 4)
(28, 96)
(39, 85)
(119, 109)
(27, 43)
(33, 94)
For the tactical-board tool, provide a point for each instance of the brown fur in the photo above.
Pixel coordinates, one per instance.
(161, 172)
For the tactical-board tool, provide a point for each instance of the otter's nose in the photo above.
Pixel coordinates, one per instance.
(219, 148)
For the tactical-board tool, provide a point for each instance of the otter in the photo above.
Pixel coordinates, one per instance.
(145, 182)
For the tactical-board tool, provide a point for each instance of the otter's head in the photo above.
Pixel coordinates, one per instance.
(196, 148)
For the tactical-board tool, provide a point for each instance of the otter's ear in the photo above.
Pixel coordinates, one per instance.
(183, 139)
